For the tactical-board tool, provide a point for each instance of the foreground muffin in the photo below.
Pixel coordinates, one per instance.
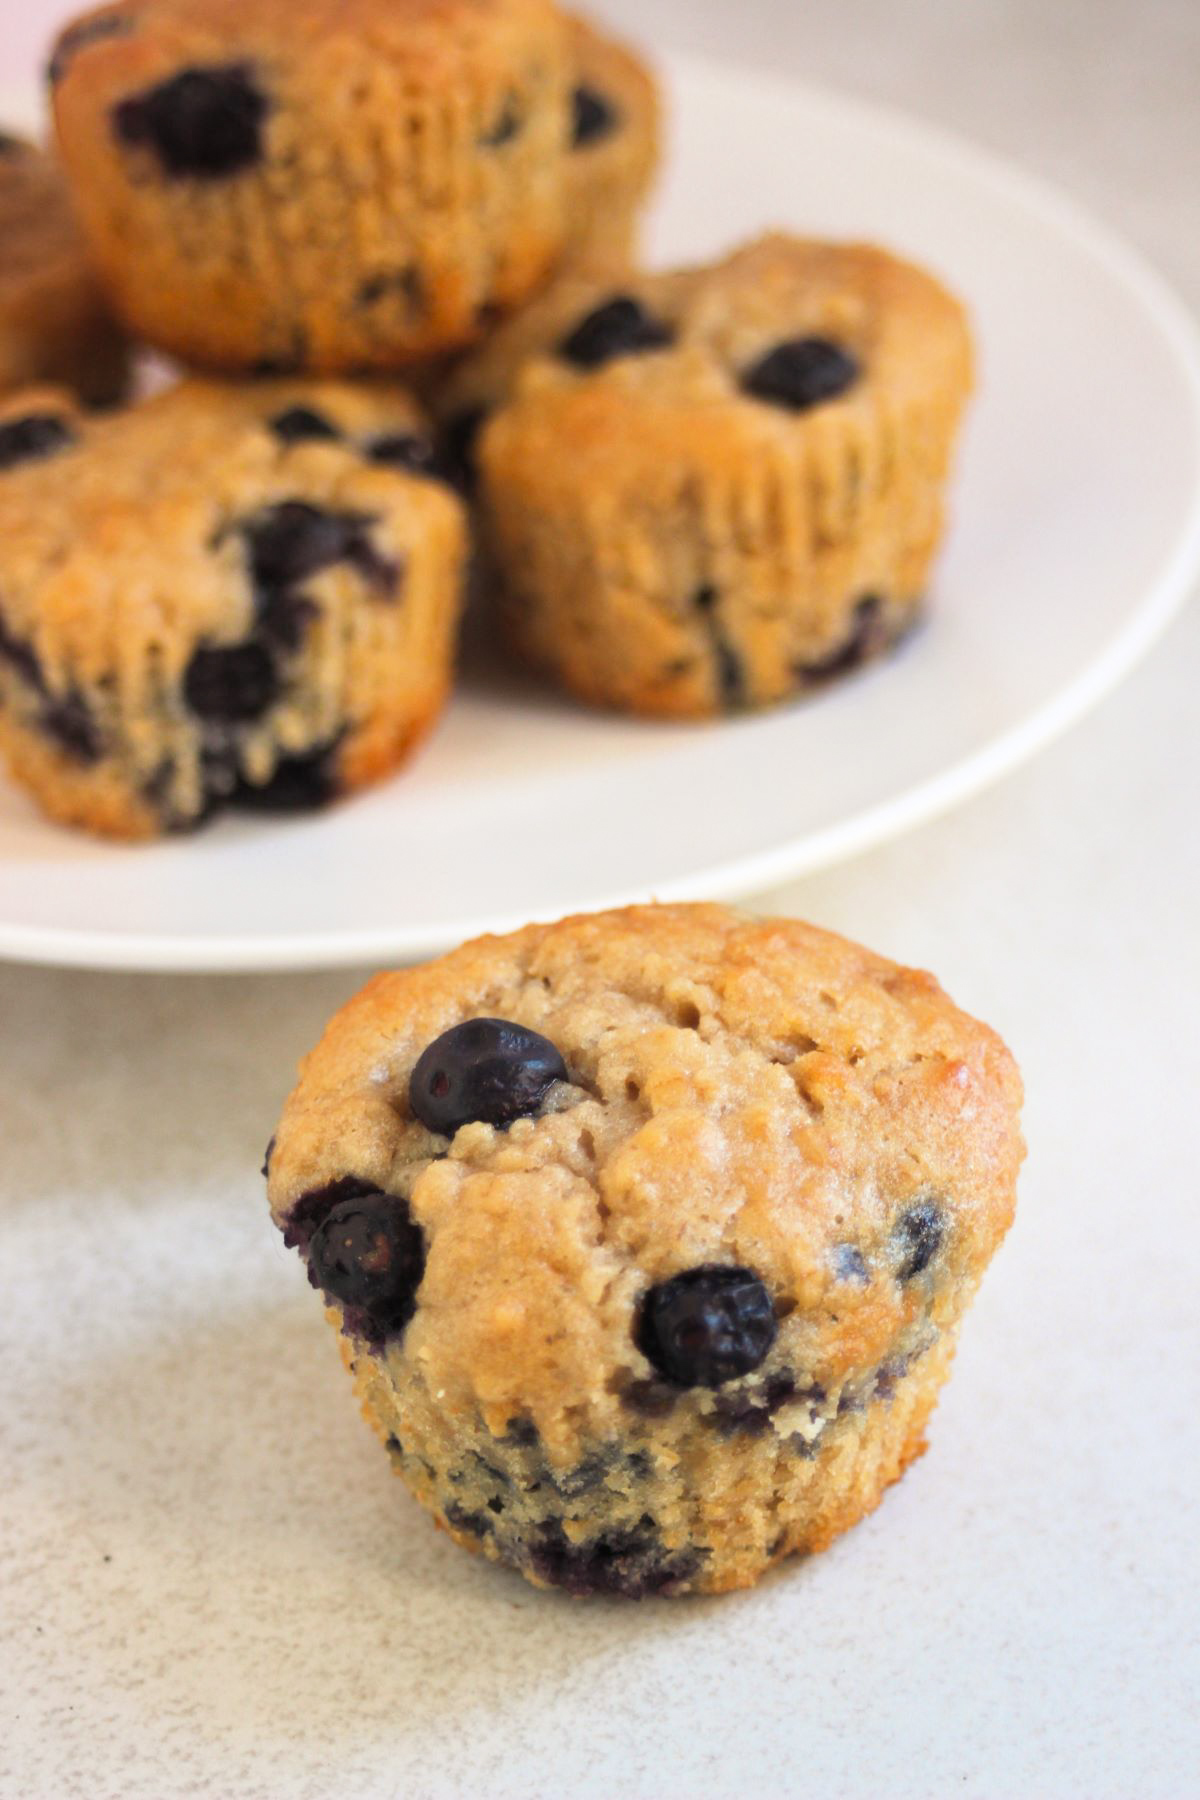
(330, 185)
(228, 594)
(713, 490)
(650, 1233)
(54, 325)
(615, 141)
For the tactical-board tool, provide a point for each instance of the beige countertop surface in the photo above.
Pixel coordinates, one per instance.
(210, 1585)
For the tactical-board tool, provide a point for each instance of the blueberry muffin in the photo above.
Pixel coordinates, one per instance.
(615, 132)
(326, 185)
(54, 325)
(714, 490)
(228, 594)
(649, 1233)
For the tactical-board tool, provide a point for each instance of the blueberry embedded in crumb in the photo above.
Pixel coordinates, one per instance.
(918, 1238)
(730, 671)
(22, 658)
(231, 684)
(593, 117)
(486, 1070)
(460, 435)
(868, 635)
(202, 123)
(284, 617)
(312, 1208)
(475, 1524)
(404, 284)
(369, 1256)
(585, 1479)
(407, 450)
(293, 540)
(303, 425)
(649, 1399)
(506, 128)
(731, 676)
(69, 723)
(849, 1264)
(299, 784)
(11, 146)
(33, 438)
(621, 327)
(267, 1155)
(803, 373)
(707, 1326)
(751, 1413)
(887, 1375)
(632, 1562)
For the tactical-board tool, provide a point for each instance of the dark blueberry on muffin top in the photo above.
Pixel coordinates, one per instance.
(486, 1070)
(707, 1326)
(621, 327)
(802, 373)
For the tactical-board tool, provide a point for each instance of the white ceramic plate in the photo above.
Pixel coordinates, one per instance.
(1077, 533)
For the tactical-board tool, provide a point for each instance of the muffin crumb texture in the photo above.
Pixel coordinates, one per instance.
(676, 1302)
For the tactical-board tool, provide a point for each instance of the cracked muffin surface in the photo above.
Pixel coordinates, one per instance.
(229, 594)
(320, 185)
(649, 1233)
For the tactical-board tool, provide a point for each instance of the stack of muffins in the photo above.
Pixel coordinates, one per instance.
(694, 492)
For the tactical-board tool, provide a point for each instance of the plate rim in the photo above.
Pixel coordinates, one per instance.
(874, 825)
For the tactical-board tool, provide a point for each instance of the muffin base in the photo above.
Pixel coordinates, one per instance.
(624, 1522)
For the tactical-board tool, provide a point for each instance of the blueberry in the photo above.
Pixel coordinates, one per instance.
(585, 1479)
(313, 1208)
(649, 1399)
(302, 425)
(299, 784)
(849, 1264)
(459, 438)
(267, 1155)
(11, 146)
(752, 1413)
(21, 657)
(802, 373)
(633, 1562)
(506, 127)
(888, 1374)
(70, 724)
(231, 684)
(918, 1238)
(867, 637)
(621, 327)
(78, 37)
(370, 1257)
(404, 284)
(475, 1524)
(488, 1070)
(293, 540)
(405, 450)
(203, 123)
(707, 1326)
(33, 438)
(731, 675)
(284, 617)
(594, 117)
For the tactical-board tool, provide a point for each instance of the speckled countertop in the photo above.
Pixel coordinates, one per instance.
(209, 1583)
